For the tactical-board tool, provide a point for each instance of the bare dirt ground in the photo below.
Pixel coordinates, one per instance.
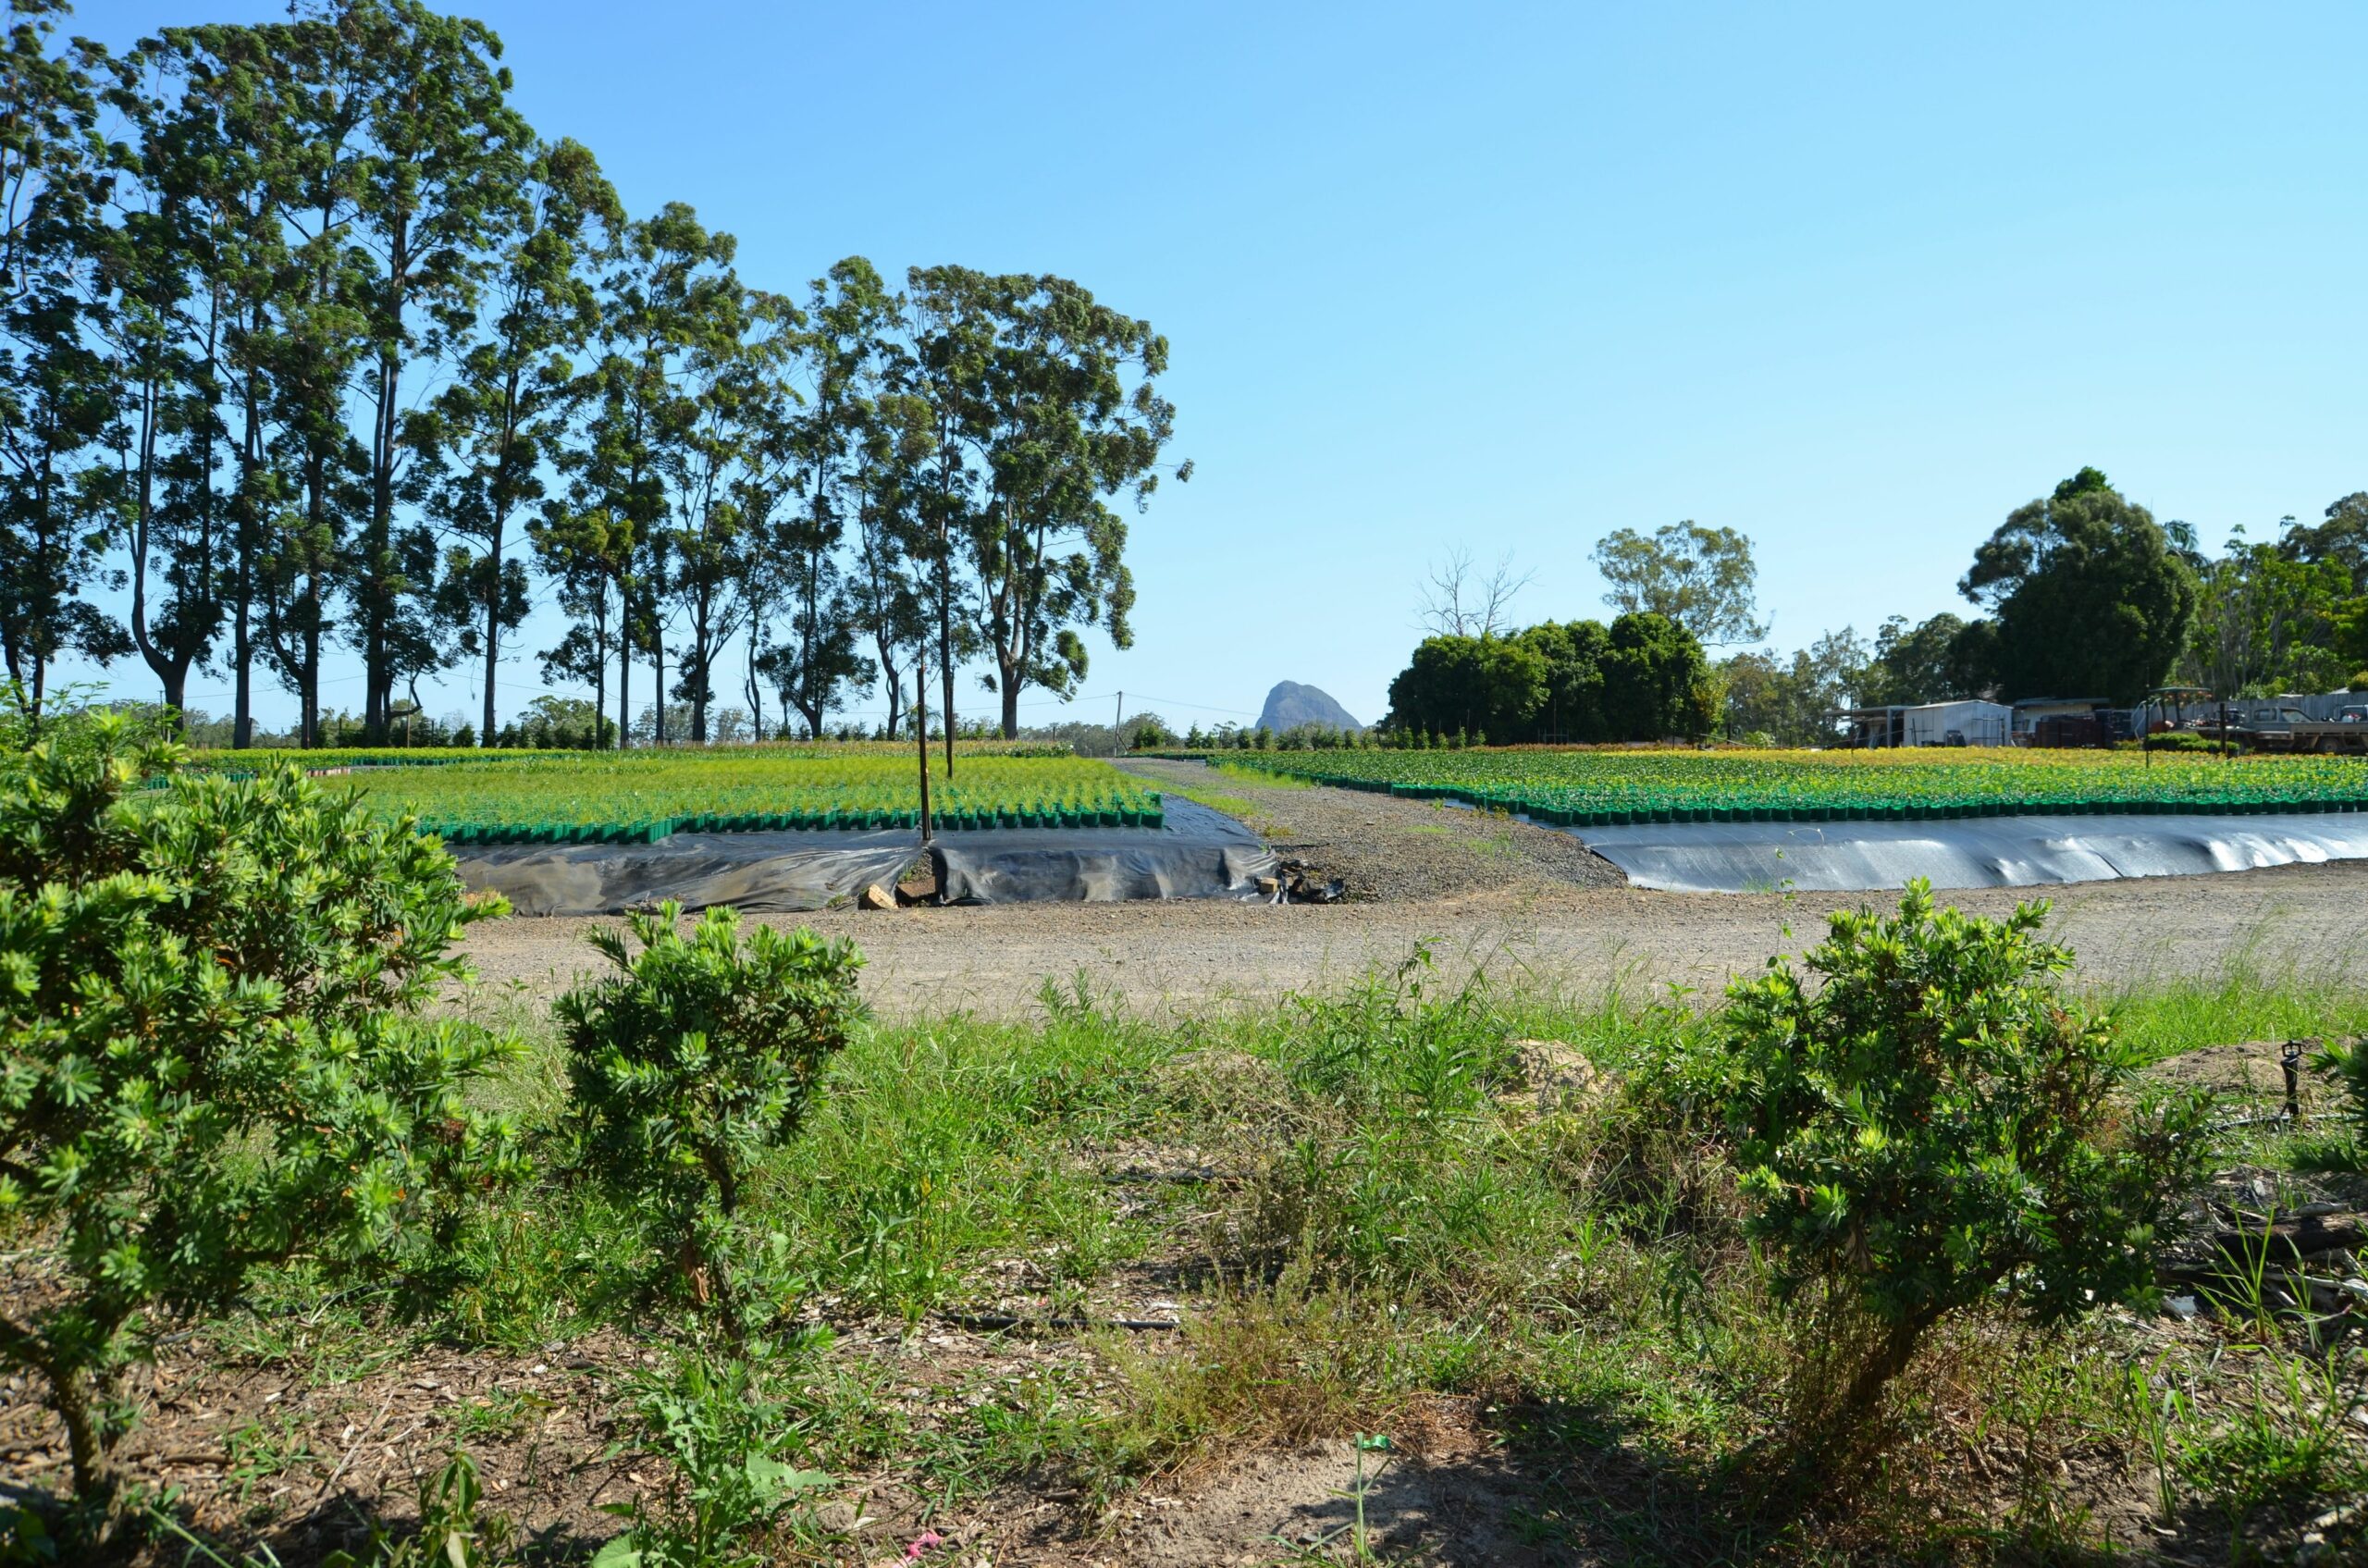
(1396, 851)
(1578, 940)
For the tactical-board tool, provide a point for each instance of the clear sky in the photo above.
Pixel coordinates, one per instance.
(1854, 279)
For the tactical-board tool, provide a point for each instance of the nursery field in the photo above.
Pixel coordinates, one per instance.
(1609, 788)
(331, 759)
(335, 758)
(566, 797)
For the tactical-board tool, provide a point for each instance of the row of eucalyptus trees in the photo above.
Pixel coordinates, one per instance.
(308, 341)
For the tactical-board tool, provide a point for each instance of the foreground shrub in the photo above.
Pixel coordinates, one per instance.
(209, 1058)
(693, 1062)
(1930, 1126)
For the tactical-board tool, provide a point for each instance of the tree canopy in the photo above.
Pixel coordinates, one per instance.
(1642, 678)
(304, 331)
(2089, 596)
(1702, 578)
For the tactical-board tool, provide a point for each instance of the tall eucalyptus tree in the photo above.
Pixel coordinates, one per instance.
(421, 178)
(171, 270)
(58, 492)
(1058, 396)
(887, 581)
(489, 433)
(213, 105)
(587, 556)
(845, 348)
(682, 434)
(952, 337)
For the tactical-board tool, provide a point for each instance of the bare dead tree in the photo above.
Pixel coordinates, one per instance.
(1457, 602)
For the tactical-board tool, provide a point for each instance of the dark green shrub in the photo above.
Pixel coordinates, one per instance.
(691, 1065)
(1935, 1125)
(209, 1057)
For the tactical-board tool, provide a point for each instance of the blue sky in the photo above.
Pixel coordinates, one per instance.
(1855, 281)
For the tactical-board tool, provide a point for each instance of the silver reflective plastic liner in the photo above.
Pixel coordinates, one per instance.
(1977, 852)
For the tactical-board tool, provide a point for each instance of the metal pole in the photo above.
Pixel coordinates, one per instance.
(920, 732)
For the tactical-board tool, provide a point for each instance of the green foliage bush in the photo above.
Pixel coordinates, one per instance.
(210, 1060)
(1933, 1126)
(712, 1420)
(690, 1066)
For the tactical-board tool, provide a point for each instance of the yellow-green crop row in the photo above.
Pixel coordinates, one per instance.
(1611, 787)
(333, 759)
(643, 797)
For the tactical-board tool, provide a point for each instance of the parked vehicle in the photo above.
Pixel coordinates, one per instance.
(2347, 732)
(2265, 726)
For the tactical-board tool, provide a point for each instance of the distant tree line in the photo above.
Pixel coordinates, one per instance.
(1643, 677)
(2086, 596)
(308, 340)
(2089, 597)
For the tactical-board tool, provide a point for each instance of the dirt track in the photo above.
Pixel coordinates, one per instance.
(1395, 851)
(993, 960)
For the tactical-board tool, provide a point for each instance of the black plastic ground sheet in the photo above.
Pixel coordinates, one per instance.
(1197, 853)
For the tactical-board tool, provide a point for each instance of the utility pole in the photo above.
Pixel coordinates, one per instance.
(1117, 725)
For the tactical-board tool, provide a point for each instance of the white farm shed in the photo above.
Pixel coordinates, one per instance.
(1975, 723)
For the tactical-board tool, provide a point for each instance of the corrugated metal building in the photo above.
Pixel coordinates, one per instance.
(1968, 722)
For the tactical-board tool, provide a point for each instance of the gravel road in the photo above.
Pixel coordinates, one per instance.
(1578, 939)
(1396, 851)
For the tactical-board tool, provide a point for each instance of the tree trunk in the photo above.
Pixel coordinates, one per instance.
(36, 649)
(378, 552)
(493, 631)
(1874, 1374)
(624, 668)
(310, 678)
(243, 652)
(753, 690)
(701, 623)
(81, 1401)
(377, 679)
(149, 655)
(242, 721)
(945, 647)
